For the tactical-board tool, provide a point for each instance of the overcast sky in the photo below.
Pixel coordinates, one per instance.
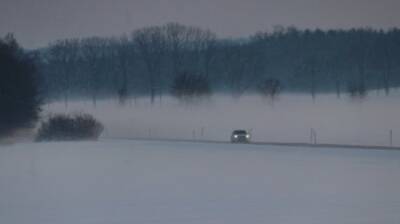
(37, 22)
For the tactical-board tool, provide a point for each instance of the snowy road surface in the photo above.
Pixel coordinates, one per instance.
(121, 182)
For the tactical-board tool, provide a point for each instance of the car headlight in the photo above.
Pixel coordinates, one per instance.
(247, 136)
(235, 136)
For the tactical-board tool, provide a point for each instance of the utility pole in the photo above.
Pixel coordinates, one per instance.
(313, 136)
(194, 134)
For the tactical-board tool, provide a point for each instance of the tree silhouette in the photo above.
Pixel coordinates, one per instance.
(18, 91)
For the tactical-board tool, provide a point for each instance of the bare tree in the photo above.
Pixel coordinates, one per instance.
(63, 55)
(93, 53)
(177, 37)
(385, 61)
(150, 44)
(359, 51)
(124, 54)
(189, 47)
(240, 67)
(307, 69)
(207, 50)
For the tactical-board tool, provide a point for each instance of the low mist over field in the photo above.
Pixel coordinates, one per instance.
(288, 119)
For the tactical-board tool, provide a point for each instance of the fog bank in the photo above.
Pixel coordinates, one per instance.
(288, 119)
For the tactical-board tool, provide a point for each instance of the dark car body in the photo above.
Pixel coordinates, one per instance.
(240, 136)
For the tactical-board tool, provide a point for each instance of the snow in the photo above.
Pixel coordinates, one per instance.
(121, 182)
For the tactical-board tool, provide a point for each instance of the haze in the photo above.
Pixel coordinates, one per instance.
(288, 119)
(36, 23)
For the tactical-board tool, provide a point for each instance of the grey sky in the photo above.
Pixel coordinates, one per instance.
(37, 22)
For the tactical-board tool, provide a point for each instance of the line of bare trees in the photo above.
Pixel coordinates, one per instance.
(147, 62)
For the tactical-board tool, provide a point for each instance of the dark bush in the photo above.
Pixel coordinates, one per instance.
(356, 90)
(270, 88)
(188, 87)
(70, 128)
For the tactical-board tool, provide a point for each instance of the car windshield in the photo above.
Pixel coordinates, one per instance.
(240, 132)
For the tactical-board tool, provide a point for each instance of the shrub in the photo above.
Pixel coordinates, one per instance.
(70, 128)
(189, 87)
(270, 88)
(356, 90)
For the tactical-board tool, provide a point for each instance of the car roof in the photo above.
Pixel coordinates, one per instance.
(240, 131)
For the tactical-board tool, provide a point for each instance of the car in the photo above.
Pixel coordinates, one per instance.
(240, 136)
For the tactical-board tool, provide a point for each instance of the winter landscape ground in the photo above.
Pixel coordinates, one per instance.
(121, 182)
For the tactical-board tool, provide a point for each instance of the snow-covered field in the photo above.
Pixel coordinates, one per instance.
(125, 182)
